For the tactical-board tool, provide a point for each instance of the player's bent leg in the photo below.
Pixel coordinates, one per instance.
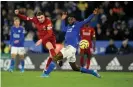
(12, 63)
(21, 52)
(89, 71)
(52, 65)
(65, 52)
(74, 66)
(58, 57)
(22, 62)
(50, 47)
(48, 62)
(83, 70)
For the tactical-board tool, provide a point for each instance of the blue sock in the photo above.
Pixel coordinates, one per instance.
(12, 63)
(88, 71)
(22, 63)
(50, 68)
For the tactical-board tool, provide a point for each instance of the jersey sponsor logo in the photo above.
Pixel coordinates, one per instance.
(130, 67)
(94, 65)
(86, 33)
(114, 65)
(16, 35)
(28, 64)
(73, 26)
(4, 64)
(43, 64)
(70, 28)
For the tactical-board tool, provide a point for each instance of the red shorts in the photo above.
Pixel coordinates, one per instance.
(85, 51)
(52, 40)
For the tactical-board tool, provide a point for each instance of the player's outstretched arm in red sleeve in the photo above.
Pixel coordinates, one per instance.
(23, 17)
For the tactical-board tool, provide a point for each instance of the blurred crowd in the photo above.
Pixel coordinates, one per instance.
(125, 48)
(115, 20)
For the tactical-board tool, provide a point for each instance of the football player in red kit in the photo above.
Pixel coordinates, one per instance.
(45, 33)
(87, 33)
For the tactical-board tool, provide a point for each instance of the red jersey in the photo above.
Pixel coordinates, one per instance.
(44, 29)
(87, 33)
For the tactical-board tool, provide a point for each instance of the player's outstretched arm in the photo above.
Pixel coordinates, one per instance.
(63, 26)
(95, 12)
(23, 17)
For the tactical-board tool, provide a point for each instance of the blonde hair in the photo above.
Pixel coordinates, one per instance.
(16, 18)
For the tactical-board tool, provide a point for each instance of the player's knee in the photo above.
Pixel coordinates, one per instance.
(13, 55)
(57, 57)
(74, 66)
(21, 56)
(49, 45)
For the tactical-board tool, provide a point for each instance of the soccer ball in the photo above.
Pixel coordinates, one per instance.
(83, 44)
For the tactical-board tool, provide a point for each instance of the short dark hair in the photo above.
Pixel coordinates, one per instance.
(39, 13)
(72, 15)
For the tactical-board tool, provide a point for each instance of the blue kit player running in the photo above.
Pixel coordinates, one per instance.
(71, 41)
(17, 44)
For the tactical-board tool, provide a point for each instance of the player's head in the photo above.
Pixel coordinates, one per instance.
(125, 43)
(40, 16)
(71, 19)
(16, 21)
(111, 41)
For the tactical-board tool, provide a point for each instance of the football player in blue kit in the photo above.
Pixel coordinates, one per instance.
(17, 44)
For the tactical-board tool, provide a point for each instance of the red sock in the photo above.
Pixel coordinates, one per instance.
(52, 52)
(82, 61)
(88, 63)
(48, 62)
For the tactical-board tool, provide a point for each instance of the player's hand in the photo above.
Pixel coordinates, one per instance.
(17, 12)
(64, 15)
(38, 42)
(96, 11)
(16, 41)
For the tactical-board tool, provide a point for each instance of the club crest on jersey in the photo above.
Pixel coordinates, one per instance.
(19, 31)
(73, 26)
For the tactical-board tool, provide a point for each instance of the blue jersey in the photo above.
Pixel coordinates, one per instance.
(17, 34)
(72, 32)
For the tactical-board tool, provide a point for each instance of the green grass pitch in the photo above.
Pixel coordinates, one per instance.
(66, 79)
